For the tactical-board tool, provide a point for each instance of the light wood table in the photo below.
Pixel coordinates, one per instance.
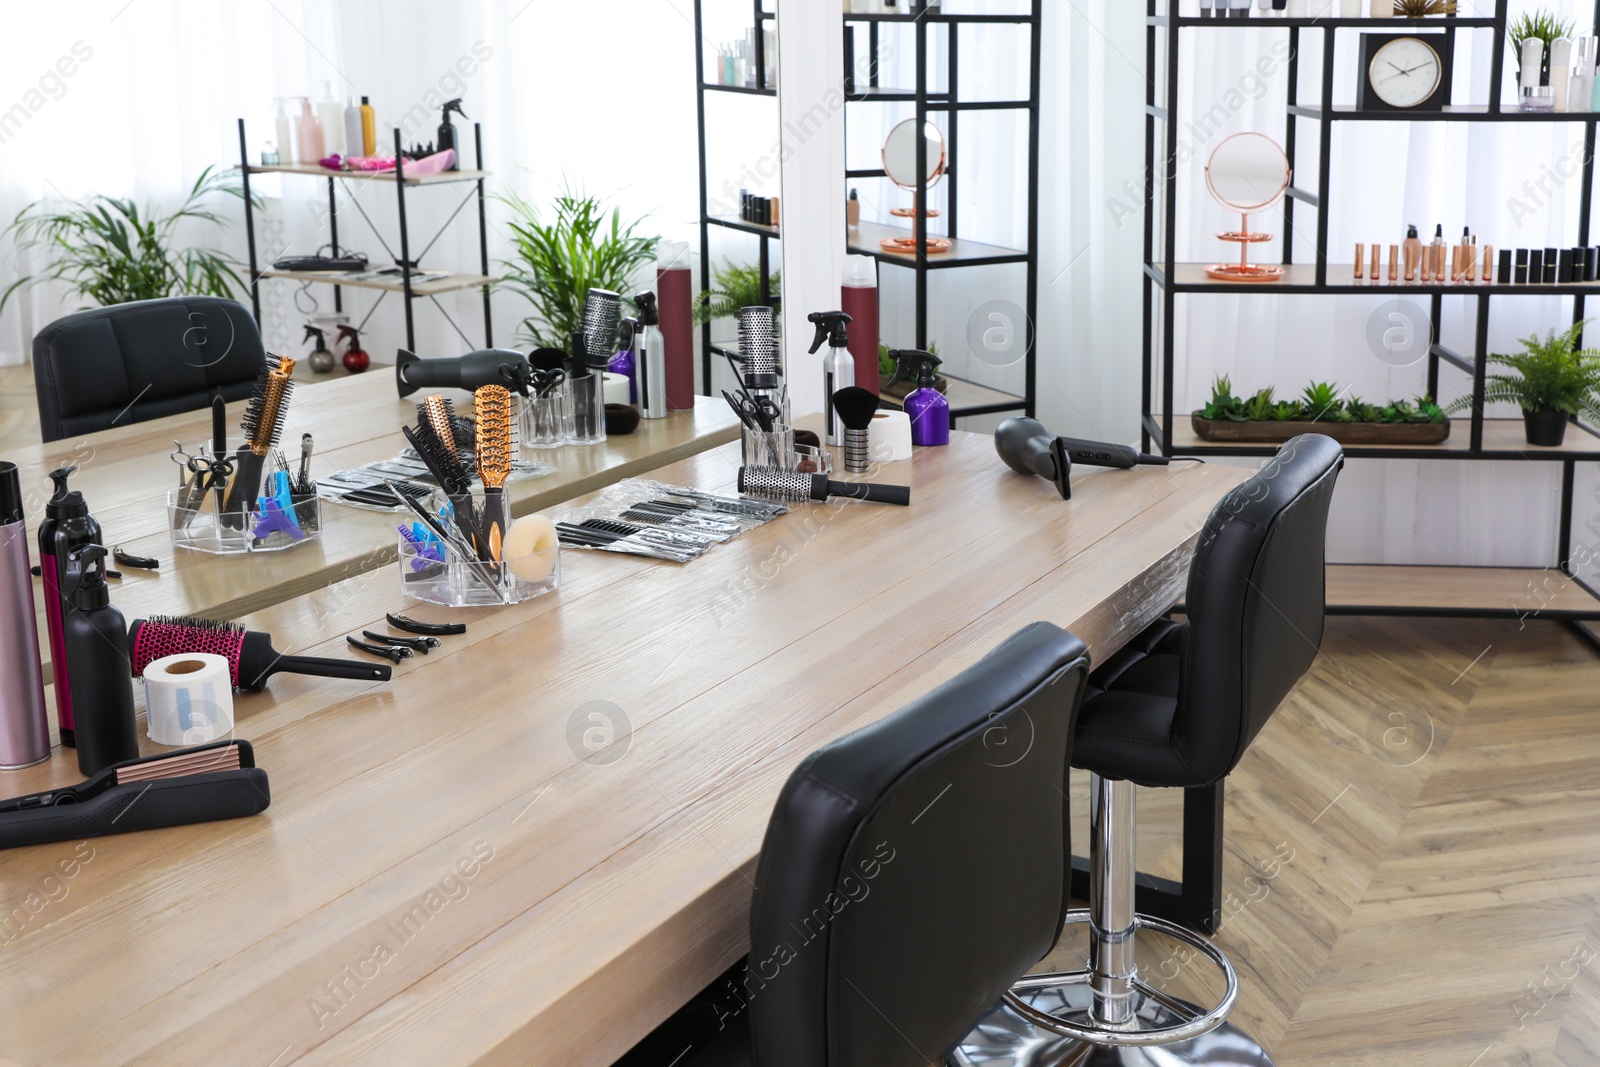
(535, 843)
(125, 474)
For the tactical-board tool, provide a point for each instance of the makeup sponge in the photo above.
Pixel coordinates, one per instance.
(530, 548)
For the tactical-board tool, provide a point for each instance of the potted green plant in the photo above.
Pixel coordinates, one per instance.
(1320, 408)
(1554, 379)
(109, 250)
(558, 259)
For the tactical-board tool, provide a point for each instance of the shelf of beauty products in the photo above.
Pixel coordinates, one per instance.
(1302, 278)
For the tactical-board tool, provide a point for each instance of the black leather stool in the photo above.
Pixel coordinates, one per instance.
(910, 872)
(1177, 707)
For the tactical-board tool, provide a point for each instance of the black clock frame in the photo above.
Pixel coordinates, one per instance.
(1367, 98)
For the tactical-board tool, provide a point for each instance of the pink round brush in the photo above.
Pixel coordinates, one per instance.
(251, 657)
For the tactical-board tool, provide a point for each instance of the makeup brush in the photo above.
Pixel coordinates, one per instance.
(263, 424)
(855, 407)
(492, 405)
(775, 484)
(251, 657)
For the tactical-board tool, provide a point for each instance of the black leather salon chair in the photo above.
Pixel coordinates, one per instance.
(1177, 707)
(911, 872)
(126, 363)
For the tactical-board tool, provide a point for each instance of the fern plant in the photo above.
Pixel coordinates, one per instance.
(558, 259)
(109, 250)
(1552, 374)
(734, 287)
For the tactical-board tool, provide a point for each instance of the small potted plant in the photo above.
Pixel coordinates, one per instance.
(1320, 408)
(1554, 379)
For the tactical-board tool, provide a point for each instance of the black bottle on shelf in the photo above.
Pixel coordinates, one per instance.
(67, 525)
(96, 637)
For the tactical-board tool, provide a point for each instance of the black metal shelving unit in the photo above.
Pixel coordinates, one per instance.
(406, 284)
(964, 252)
(1479, 592)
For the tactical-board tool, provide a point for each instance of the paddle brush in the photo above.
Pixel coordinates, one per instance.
(250, 655)
(492, 406)
(435, 443)
(855, 407)
(263, 425)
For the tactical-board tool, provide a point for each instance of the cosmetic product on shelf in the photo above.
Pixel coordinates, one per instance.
(1523, 267)
(1505, 266)
(1382, 9)
(1560, 66)
(852, 212)
(796, 486)
(1580, 83)
(1438, 251)
(67, 525)
(1238, 9)
(330, 120)
(838, 367)
(649, 359)
(320, 359)
(308, 135)
(1206, 10)
(858, 298)
(1360, 261)
(24, 730)
(352, 128)
(1349, 9)
(675, 292)
(284, 133)
(1296, 9)
(1550, 266)
(1413, 253)
(855, 408)
(1394, 263)
(251, 658)
(369, 129)
(1376, 262)
(927, 408)
(447, 131)
(96, 640)
(1534, 96)
(1535, 266)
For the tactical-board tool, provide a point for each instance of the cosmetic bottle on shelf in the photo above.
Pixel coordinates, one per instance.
(352, 127)
(24, 730)
(308, 135)
(330, 116)
(1413, 253)
(369, 129)
(284, 133)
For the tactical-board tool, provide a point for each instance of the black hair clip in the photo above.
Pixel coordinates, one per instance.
(393, 653)
(440, 629)
(415, 644)
(141, 563)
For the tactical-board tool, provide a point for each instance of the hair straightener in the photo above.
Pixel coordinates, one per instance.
(190, 785)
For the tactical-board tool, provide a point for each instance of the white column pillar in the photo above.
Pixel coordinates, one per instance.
(811, 114)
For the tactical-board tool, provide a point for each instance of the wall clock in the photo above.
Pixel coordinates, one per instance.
(1404, 72)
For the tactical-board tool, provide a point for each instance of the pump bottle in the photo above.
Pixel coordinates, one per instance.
(838, 367)
(97, 658)
(67, 525)
(927, 408)
(650, 358)
(447, 131)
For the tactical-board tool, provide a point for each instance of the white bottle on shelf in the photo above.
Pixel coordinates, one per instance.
(1296, 9)
(1382, 9)
(330, 117)
(1349, 9)
(1560, 70)
(285, 139)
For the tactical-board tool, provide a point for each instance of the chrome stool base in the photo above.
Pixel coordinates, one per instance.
(1004, 1038)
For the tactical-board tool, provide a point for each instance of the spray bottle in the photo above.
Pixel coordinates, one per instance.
(356, 359)
(622, 363)
(67, 525)
(321, 359)
(447, 131)
(838, 367)
(650, 358)
(97, 658)
(927, 408)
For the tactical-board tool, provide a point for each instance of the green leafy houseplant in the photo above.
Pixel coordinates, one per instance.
(734, 287)
(1543, 24)
(109, 250)
(559, 259)
(1554, 379)
(1320, 403)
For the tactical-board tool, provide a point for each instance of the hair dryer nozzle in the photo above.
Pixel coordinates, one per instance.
(402, 360)
(1028, 448)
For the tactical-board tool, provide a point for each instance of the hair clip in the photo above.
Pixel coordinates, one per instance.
(415, 644)
(393, 653)
(142, 563)
(412, 626)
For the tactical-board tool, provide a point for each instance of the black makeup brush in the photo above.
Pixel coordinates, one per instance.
(775, 484)
(855, 407)
(251, 657)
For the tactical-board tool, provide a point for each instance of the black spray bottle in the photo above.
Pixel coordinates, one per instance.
(97, 660)
(447, 130)
(67, 525)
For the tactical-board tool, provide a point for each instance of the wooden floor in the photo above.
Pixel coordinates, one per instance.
(1413, 853)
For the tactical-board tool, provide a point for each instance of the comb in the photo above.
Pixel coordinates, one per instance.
(439, 414)
(492, 406)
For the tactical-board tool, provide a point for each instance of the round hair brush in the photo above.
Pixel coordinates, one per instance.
(492, 405)
(775, 484)
(251, 657)
(855, 407)
(263, 425)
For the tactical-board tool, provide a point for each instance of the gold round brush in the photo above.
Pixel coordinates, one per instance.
(438, 413)
(492, 406)
(263, 425)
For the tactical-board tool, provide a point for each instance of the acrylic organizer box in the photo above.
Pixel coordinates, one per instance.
(273, 524)
(775, 448)
(433, 571)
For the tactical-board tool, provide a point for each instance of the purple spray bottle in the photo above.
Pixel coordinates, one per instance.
(927, 408)
(623, 362)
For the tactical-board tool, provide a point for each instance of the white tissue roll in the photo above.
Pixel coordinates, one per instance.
(188, 699)
(615, 388)
(889, 436)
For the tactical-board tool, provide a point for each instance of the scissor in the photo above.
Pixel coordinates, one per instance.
(205, 472)
(546, 382)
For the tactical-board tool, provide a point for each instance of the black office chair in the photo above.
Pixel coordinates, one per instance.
(910, 873)
(125, 363)
(1177, 707)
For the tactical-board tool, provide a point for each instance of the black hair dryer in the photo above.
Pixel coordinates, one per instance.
(1028, 448)
(486, 366)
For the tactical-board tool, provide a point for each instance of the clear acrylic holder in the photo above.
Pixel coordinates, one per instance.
(439, 575)
(544, 420)
(809, 459)
(204, 530)
(760, 448)
(586, 409)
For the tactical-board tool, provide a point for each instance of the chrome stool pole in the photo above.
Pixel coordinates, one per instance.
(1111, 918)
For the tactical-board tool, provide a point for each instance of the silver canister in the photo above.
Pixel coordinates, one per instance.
(24, 733)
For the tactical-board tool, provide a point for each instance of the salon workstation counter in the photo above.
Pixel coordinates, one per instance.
(125, 474)
(536, 842)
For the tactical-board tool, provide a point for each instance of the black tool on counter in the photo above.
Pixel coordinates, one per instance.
(855, 408)
(95, 641)
(414, 626)
(486, 366)
(189, 785)
(138, 563)
(423, 645)
(1028, 448)
(775, 484)
(394, 653)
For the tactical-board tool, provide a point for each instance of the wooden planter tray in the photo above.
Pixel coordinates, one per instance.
(1346, 433)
